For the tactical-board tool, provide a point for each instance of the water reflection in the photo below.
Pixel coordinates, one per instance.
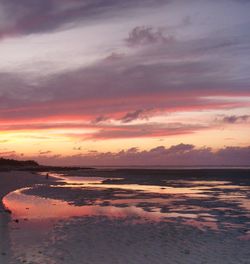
(211, 204)
(206, 205)
(28, 207)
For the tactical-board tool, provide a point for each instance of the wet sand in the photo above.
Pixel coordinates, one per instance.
(10, 181)
(132, 217)
(101, 240)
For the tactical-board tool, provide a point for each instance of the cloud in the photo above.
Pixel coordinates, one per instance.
(236, 119)
(8, 153)
(77, 148)
(104, 89)
(131, 116)
(45, 152)
(181, 148)
(143, 35)
(100, 119)
(190, 74)
(38, 16)
(114, 56)
(109, 130)
(149, 129)
(181, 69)
(176, 155)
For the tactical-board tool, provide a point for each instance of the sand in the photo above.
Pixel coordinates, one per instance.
(99, 240)
(103, 240)
(10, 181)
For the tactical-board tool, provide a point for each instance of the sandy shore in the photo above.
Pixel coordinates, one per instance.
(119, 241)
(97, 224)
(10, 181)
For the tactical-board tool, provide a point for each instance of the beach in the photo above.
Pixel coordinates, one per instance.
(126, 216)
(125, 132)
(10, 181)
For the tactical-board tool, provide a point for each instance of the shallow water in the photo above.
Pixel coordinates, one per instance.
(206, 205)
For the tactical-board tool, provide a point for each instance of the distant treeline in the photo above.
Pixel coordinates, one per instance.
(17, 163)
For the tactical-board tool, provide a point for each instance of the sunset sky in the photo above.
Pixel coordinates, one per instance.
(114, 82)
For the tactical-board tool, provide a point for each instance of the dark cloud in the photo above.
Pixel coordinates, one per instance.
(77, 148)
(102, 90)
(34, 16)
(100, 119)
(178, 155)
(236, 119)
(45, 152)
(147, 36)
(181, 148)
(131, 116)
(134, 82)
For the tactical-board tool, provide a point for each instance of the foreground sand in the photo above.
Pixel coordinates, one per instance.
(101, 240)
(10, 181)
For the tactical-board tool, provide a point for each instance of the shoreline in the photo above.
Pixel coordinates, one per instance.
(13, 180)
(9, 182)
(211, 235)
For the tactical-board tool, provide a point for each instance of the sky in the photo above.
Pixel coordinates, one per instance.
(136, 82)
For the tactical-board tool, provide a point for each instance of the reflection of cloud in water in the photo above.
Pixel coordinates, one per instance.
(208, 203)
(205, 205)
(35, 207)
